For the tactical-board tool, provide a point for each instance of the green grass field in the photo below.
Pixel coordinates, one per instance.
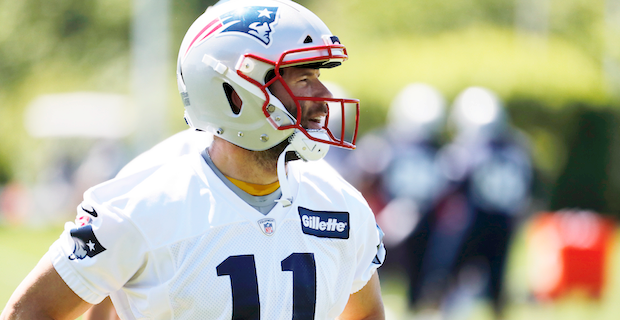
(22, 247)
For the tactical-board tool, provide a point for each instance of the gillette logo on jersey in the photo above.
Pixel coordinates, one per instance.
(325, 224)
(253, 21)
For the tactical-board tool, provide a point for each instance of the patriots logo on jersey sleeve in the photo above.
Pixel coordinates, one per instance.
(85, 243)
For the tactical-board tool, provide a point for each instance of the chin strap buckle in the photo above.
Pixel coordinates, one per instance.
(285, 202)
(308, 149)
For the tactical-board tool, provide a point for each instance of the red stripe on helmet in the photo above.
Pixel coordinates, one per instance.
(216, 20)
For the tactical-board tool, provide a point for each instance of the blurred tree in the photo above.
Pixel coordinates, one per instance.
(183, 14)
(81, 35)
(585, 180)
(59, 46)
(55, 46)
(4, 171)
(581, 22)
(376, 18)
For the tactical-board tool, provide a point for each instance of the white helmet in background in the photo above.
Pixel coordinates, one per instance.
(416, 113)
(240, 46)
(478, 112)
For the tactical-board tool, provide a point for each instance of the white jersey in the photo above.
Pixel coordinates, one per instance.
(181, 143)
(178, 244)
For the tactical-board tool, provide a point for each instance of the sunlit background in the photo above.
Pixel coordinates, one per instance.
(87, 85)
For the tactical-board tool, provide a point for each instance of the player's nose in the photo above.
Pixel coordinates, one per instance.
(322, 91)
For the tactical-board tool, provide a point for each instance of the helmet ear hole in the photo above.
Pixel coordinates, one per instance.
(233, 98)
(272, 74)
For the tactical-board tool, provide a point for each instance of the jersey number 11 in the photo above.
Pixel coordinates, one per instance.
(244, 283)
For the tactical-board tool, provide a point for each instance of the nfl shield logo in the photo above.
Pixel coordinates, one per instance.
(267, 225)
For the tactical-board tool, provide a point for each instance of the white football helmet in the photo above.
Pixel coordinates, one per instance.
(241, 45)
(418, 112)
(478, 113)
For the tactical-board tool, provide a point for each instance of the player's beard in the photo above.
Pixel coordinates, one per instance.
(268, 159)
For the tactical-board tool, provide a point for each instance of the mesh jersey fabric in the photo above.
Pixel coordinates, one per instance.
(178, 242)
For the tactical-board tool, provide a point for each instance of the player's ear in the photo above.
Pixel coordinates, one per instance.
(233, 98)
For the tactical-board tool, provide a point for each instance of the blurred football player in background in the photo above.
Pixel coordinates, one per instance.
(252, 227)
(489, 174)
(397, 168)
(412, 179)
(396, 163)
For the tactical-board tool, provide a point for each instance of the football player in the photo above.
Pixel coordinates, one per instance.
(251, 227)
(489, 172)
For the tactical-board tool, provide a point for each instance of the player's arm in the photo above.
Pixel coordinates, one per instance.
(102, 311)
(44, 295)
(366, 303)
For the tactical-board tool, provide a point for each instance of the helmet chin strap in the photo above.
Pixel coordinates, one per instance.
(287, 197)
(307, 150)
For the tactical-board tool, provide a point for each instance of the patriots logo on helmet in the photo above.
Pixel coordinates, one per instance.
(255, 21)
(268, 226)
(85, 243)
